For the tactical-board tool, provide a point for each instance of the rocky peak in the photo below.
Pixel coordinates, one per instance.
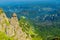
(13, 30)
(14, 15)
(14, 20)
(1, 11)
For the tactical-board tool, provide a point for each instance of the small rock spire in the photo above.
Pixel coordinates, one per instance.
(14, 15)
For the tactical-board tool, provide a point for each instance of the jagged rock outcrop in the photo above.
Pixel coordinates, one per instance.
(3, 21)
(11, 27)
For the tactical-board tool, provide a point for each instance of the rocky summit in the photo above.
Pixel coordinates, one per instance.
(11, 27)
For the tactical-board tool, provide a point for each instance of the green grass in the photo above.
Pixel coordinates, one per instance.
(3, 36)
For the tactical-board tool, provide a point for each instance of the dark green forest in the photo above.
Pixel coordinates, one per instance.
(39, 32)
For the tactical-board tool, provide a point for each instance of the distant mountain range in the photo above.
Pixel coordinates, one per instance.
(36, 11)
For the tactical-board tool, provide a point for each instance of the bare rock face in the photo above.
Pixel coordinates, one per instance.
(11, 27)
(19, 34)
(3, 21)
(14, 20)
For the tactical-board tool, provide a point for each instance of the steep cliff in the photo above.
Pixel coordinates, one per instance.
(11, 27)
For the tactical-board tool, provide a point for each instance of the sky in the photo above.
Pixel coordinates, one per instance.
(12, 1)
(23, 0)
